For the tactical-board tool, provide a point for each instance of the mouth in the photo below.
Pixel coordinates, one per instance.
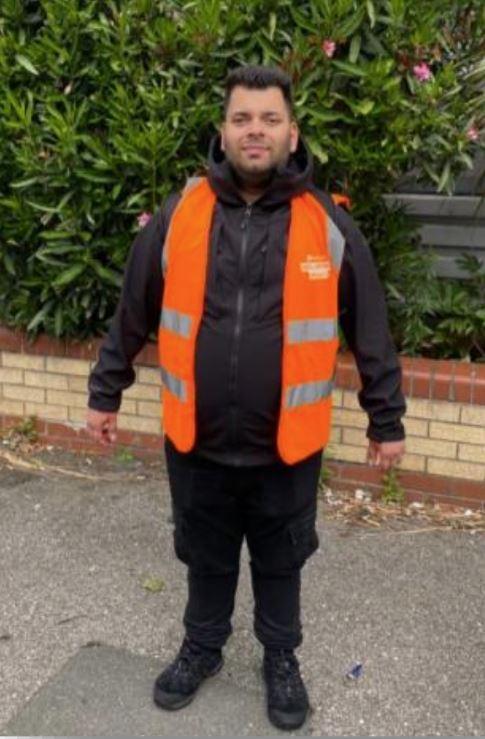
(254, 149)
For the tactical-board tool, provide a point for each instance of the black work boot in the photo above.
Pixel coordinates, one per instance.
(287, 698)
(177, 685)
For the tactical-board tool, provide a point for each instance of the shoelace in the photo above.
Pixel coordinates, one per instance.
(286, 670)
(184, 658)
(187, 656)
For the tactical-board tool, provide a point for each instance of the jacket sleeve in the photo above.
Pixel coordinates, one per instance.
(364, 322)
(136, 317)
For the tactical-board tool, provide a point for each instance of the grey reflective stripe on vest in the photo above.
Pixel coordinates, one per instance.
(190, 183)
(313, 329)
(164, 258)
(174, 320)
(336, 243)
(174, 384)
(308, 392)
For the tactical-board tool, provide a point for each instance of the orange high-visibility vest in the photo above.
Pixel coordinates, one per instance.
(310, 320)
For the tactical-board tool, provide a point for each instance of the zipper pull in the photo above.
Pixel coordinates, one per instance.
(247, 214)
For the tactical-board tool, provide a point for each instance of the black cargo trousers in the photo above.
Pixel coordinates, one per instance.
(214, 507)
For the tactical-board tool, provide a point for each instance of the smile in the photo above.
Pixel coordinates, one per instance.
(251, 149)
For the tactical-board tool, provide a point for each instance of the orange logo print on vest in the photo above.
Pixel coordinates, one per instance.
(316, 267)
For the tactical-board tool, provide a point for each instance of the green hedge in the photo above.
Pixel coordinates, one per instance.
(105, 107)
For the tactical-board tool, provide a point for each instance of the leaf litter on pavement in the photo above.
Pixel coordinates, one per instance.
(358, 509)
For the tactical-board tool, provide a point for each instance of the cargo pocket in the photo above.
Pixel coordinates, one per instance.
(304, 538)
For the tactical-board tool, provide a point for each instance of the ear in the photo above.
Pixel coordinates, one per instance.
(223, 136)
(294, 135)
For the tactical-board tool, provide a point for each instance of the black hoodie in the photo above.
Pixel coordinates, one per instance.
(239, 344)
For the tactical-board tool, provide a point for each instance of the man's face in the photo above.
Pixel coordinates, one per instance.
(257, 134)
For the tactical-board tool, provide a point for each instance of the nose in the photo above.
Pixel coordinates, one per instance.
(256, 127)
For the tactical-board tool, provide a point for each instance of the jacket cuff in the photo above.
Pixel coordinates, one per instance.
(390, 433)
(104, 403)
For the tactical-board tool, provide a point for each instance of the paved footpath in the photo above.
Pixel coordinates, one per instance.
(81, 638)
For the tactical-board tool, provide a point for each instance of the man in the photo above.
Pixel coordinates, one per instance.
(254, 259)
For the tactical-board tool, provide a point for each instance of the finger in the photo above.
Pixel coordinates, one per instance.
(106, 436)
(103, 440)
(392, 460)
(112, 429)
(371, 454)
(94, 433)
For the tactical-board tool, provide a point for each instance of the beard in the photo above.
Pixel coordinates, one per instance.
(243, 176)
(261, 178)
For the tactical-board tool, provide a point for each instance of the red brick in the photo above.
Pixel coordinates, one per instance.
(343, 376)
(346, 357)
(82, 349)
(421, 386)
(40, 426)
(45, 345)
(333, 468)
(150, 441)
(457, 502)
(360, 473)
(463, 370)
(148, 356)
(10, 421)
(61, 430)
(407, 363)
(462, 389)
(347, 376)
(442, 381)
(424, 482)
(86, 446)
(152, 354)
(140, 357)
(10, 340)
(466, 488)
(478, 391)
(407, 384)
(125, 437)
(478, 370)
(444, 486)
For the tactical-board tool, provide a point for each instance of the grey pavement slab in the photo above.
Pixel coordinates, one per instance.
(105, 691)
(74, 553)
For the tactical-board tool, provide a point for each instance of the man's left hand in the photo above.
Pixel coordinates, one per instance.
(385, 454)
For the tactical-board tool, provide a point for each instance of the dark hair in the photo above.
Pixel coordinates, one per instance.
(257, 77)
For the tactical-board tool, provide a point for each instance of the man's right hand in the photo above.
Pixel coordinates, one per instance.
(101, 426)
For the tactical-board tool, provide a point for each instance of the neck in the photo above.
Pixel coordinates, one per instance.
(250, 194)
(251, 190)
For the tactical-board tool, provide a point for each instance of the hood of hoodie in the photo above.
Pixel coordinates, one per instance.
(289, 180)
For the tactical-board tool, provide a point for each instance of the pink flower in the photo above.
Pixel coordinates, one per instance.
(144, 218)
(328, 47)
(422, 72)
(473, 133)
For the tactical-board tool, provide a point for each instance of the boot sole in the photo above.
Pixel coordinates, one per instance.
(285, 721)
(169, 703)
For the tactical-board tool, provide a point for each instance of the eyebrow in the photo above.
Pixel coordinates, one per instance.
(264, 112)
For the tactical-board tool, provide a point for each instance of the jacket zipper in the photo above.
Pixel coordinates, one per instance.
(239, 317)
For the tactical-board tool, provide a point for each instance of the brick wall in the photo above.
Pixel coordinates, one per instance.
(445, 422)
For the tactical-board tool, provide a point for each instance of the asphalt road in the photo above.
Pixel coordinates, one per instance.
(81, 639)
